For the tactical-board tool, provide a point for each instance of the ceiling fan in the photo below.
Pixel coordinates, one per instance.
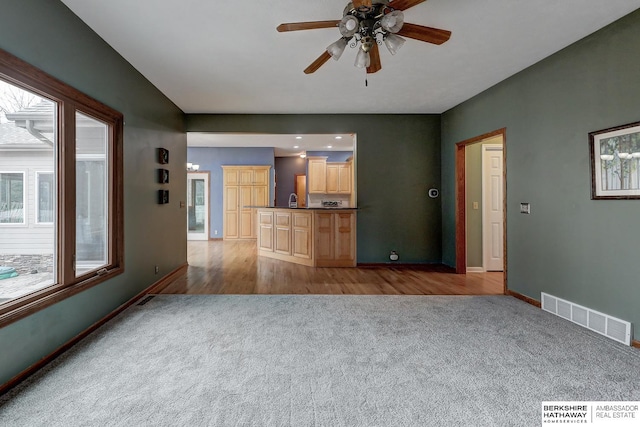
(369, 23)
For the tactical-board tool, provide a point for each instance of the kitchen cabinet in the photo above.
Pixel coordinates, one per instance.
(302, 234)
(244, 188)
(335, 239)
(317, 175)
(282, 241)
(333, 178)
(338, 178)
(345, 181)
(329, 178)
(312, 237)
(265, 231)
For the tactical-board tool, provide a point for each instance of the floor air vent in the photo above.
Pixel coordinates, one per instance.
(608, 326)
(146, 300)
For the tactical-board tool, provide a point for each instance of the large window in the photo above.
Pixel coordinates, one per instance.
(61, 225)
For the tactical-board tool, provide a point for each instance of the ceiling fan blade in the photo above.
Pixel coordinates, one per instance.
(425, 34)
(404, 4)
(297, 26)
(374, 55)
(317, 63)
(359, 3)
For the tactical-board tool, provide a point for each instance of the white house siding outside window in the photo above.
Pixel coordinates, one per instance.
(28, 142)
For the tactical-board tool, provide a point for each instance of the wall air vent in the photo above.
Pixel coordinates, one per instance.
(603, 324)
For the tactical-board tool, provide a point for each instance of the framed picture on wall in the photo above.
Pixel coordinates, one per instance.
(163, 156)
(163, 176)
(163, 197)
(615, 162)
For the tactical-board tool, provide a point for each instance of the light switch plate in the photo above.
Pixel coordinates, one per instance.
(525, 208)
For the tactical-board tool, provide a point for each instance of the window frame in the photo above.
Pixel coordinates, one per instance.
(24, 199)
(68, 100)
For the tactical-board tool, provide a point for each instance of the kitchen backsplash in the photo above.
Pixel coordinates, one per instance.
(315, 200)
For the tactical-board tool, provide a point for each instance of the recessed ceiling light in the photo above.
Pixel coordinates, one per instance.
(329, 146)
(338, 137)
(296, 146)
(298, 137)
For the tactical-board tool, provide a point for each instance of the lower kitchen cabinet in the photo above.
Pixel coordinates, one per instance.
(265, 231)
(335, 239)
(320, 238)
(302, 235)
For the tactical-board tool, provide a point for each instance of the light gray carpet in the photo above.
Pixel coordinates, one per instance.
(324, 361)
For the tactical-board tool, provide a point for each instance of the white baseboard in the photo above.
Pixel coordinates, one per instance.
(475, 270)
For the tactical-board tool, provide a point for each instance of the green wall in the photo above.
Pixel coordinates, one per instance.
(46, 34)
(570, 246)
(397, 161)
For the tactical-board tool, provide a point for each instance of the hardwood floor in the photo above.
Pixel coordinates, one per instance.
(233, 267)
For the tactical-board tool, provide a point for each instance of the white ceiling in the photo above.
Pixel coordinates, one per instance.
(227, 57)
(284, 145)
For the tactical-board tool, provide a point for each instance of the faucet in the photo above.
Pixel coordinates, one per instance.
(293, 200)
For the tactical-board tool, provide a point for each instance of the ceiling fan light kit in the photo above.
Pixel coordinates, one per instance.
(392, 22)
(363, 59)
(349, 26)
(365, 24)
(393, 43)
(336, 48)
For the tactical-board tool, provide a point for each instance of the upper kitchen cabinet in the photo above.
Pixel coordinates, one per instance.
(317, 175)
(253, 176)
(339, 178)
(245, 188)
(329, 178)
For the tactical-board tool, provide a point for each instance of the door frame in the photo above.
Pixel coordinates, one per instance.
(207, 222)
(461, 213)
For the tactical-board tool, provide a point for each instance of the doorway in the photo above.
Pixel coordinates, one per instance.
(492, 206)
(300, 188)
(198, 206)
(481, 216)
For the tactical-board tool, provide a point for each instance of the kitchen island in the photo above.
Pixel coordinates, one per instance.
(316, 237)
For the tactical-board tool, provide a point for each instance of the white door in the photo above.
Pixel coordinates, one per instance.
(493, 207)
(197, 206)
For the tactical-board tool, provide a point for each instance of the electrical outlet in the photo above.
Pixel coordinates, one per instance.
(215, 232)
(525, 208)
(475, 205)
(157, 269)
(394, 256)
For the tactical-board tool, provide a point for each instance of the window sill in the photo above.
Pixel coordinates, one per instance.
(27, 305)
